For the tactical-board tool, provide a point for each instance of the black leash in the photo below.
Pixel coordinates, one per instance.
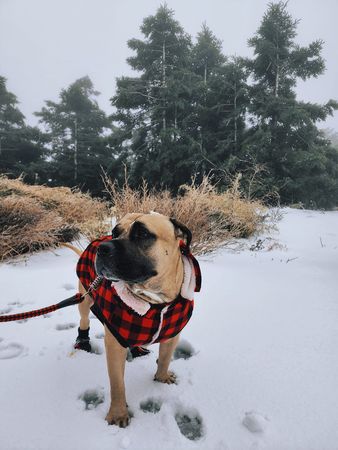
(74, 300)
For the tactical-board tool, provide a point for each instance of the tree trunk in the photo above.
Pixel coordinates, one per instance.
(277, 70)
(75, 150)
(164, 118)
(235, 117)
(277, 77)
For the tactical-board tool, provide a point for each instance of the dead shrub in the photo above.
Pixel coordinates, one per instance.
(37, 217)
(214, 218)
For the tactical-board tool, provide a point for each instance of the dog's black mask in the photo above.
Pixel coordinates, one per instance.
(125, 257)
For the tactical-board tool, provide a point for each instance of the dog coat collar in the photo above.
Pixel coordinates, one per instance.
(129, 298)
(160, 323)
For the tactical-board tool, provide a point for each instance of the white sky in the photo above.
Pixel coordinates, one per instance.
(47, 44)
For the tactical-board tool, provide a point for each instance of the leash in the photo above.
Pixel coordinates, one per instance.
(74, 300)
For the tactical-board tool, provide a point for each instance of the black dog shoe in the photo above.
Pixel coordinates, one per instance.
(139, 351)
(83, 341)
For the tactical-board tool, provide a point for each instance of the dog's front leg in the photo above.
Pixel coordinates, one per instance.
(164, 357)
(83, 340)
(116, 359)
(84, 308)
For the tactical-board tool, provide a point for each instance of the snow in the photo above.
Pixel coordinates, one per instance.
(257, 365)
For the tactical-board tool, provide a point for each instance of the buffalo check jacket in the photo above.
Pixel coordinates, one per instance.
(161, 322)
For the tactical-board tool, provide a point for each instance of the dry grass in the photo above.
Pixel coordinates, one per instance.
(37, 217)
(214, 218)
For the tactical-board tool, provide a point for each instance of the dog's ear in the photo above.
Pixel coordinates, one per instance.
(182, 232)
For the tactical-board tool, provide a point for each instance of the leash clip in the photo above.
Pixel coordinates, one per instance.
(93, 286)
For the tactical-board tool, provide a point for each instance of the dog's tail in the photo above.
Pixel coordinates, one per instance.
(72, 247)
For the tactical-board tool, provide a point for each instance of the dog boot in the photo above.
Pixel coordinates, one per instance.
(82, 341)
(139, 351)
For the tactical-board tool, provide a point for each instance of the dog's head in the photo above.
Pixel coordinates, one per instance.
(143, 247)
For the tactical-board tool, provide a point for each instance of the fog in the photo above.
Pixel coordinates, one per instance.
(46, 44)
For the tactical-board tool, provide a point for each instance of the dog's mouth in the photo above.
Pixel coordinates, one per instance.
(108, 275)
(119, 260)
(103, 270)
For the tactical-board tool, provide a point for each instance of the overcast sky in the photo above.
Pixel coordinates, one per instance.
(47, 44)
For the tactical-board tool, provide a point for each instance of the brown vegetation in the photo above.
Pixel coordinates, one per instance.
(38, 217)
(214, 218)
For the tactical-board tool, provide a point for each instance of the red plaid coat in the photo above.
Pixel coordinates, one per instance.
(161, 322)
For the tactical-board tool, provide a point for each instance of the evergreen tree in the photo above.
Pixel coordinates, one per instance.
(76, 133)
(221, 100)
(300, 164)
(20, 147)
(184, 114)
(207, 54)
(155, 108)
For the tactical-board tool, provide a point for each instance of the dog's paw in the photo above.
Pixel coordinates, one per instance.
(83, 345)
(83, 341)
(168, 378)
(118, 417)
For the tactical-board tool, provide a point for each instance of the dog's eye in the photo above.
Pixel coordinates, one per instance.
(140, 232)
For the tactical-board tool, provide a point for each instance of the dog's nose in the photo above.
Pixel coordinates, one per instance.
(105, 249)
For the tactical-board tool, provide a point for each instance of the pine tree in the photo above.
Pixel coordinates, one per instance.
(155, 108)
(207, 54)
(21, 152)
(221, 100)
(299, 162)
(75, 131)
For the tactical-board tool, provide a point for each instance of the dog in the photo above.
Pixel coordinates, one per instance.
(146, 296)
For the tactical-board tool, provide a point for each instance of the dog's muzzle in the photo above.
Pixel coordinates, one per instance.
(104, 261)
(119, 259)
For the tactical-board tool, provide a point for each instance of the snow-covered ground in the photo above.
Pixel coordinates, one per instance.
(262, 356)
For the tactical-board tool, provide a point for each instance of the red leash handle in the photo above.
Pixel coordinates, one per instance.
(75, 299)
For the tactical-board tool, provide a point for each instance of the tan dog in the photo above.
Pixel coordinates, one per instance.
(145, 254)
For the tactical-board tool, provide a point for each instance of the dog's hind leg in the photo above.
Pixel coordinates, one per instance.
(83, 340)
(164, 357)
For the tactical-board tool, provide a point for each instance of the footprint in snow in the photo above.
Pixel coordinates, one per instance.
(5, 310)
(11, 350)
(92, 398)
(255, 422)
(151, 405)
(184, 350)
(190, 424)
(18, 304)
(129, 356)
(65, 326)
(99, 335)
(96, 349)
(69, 287)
